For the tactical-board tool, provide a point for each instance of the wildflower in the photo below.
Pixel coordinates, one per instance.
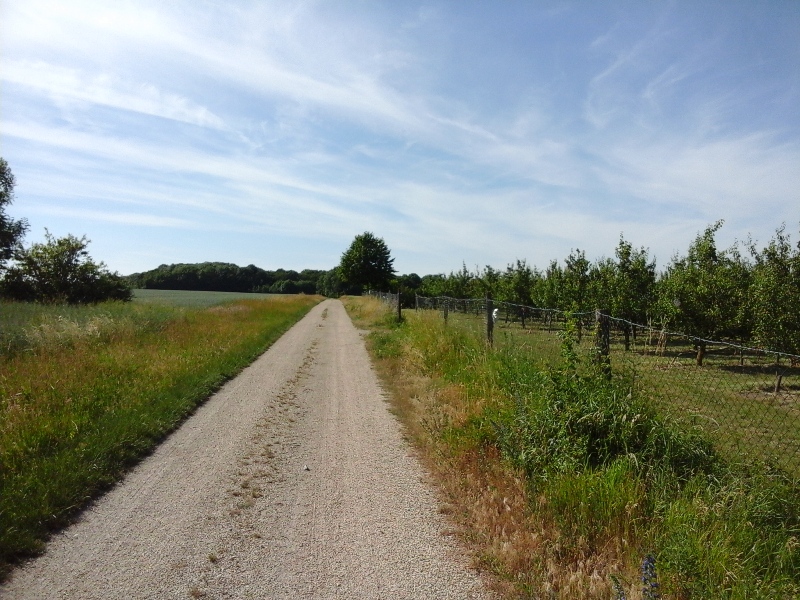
(650, 579)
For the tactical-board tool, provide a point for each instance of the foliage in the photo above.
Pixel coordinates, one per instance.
(707, 293)
(575, 283)
(625, 287)
(331, 285)
(11, 231)
(703, 294)
(367, 263)
(775, 294)
(409, 285)
(518, 283)
(552, 288)
(227, 277)
(60, 270)
(634, 283)
(571, 420)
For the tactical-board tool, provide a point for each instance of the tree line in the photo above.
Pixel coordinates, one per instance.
(743, 294)
(227, 277)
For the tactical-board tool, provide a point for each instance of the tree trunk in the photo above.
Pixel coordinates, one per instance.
(701, 353)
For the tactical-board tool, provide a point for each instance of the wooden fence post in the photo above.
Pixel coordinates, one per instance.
(489, 320)
(446, 307)
(399, 304)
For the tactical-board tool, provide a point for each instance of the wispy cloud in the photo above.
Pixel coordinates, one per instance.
(309, 122)
(135, 219)
(61, 83)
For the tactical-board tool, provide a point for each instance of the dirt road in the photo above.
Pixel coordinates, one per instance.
(292, 482)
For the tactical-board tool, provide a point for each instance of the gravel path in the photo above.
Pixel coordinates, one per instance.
(293, 481)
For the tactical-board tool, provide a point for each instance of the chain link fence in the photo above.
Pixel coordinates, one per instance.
(746, 400)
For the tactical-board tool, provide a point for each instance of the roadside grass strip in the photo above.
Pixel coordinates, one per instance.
(570, 484)
(87, 392)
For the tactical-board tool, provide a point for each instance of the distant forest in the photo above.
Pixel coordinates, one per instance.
(227, 277)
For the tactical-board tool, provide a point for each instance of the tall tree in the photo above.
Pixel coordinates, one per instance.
(11, 231)
(552, 288)
(367, 263)
(575, 282)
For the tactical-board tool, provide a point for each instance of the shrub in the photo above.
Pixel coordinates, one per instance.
(60, 270)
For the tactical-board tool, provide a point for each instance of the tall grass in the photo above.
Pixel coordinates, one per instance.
(193, 298)
(91, 390)
(26, 326)
(565, 479)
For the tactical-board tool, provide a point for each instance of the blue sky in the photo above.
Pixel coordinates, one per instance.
(272, 133)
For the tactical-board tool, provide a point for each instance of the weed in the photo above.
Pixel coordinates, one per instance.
(561, 476)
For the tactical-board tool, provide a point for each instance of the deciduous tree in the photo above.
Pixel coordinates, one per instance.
(60, 270)
(367, 263)
(11, 231)
(775, 295)
(703, 293)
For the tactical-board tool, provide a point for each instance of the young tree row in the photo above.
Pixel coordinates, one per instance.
(741, 294)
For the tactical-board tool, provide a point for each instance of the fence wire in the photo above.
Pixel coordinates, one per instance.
(746, 400)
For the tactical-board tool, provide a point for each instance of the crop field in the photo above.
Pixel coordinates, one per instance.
(193, 299)
(85, 392)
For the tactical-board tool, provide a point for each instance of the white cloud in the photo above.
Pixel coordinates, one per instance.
(107, 90)
(740, 176)
(126, 218)
(315, 122)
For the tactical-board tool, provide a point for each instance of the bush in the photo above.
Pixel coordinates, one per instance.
(60, 270)
(573, 418)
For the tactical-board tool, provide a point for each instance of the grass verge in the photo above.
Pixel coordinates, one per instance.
(570, 485)
(95, 391)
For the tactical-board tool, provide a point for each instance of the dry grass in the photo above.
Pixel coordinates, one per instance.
(567, 529)
(519, 547)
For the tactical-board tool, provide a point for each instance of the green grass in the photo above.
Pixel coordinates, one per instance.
(193, 299)
(26, 326)
(614, 469)
(731, 398)
(101, 387)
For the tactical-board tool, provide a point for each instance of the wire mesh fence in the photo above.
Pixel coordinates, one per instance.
(387, 297)
(746, 400)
